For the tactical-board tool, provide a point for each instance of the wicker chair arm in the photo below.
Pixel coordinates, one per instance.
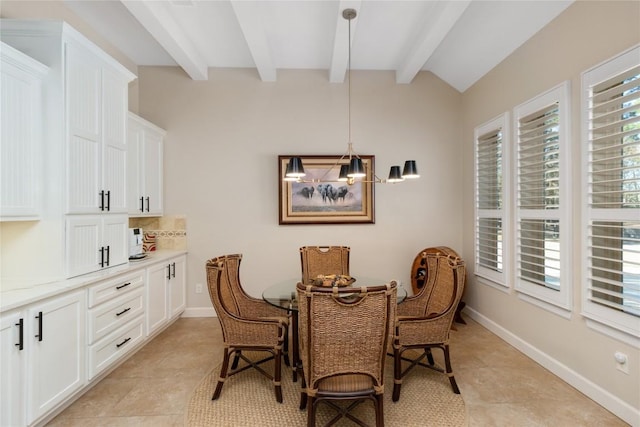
(413, 331)
(257, 308)
(254, 332)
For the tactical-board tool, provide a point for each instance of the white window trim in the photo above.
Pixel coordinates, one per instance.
(487, 276)
(619, 325)
(564, 297)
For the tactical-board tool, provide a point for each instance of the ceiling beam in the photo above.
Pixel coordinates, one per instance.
(441, 23)
(340, 57)
(157, 20)
(256, 38)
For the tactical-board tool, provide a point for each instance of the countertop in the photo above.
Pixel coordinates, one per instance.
(19, 295)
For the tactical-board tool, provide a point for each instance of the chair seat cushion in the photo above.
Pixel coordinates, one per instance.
(346, 383)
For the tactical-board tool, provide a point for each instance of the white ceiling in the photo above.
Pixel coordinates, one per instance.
(458, 40)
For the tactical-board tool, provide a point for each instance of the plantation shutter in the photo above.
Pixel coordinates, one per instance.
(613, 191)
(489, 202)
(538, 201)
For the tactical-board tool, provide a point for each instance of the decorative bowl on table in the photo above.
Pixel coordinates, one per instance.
(331, 280)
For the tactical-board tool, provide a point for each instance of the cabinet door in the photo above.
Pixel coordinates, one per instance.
(21, 136)
(157, 303)
(57, 352)
(153, 145)
(114, 128)
(84, 162)
(84, 249)
(177, 288)
(12, 370)
(114, 234)
(135, 137)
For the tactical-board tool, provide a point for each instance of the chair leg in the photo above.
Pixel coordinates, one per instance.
(311, 411)
(223, 374)
(236, 359)
(303, 394)
(379, 410)
(397, 374)
(449, 371)
(429, 356)
(277, 375)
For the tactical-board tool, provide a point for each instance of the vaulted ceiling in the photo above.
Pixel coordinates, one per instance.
(457, 40)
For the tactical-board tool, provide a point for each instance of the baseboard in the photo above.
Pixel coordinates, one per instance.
(199, 312)
(596, 393)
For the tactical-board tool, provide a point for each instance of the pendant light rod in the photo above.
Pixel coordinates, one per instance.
(354, 168)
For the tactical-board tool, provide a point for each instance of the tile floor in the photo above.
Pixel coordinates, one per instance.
(500, 386)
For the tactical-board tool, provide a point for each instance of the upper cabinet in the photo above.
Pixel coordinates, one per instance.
(21, 135)
(85, 104)
(144, 167)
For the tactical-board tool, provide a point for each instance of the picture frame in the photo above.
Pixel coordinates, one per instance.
(319, 198)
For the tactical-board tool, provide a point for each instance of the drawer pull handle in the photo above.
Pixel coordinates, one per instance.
(123, 342)
(39, 317)
(122, 286)
(123, 311)
(20, 343)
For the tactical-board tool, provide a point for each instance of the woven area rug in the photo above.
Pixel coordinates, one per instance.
(248, 399)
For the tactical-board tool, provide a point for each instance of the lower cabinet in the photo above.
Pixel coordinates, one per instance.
(12, 370)
(43, 351)
(50, 350)
(166, 292)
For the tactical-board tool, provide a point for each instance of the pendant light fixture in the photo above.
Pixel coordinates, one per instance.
(353, 170)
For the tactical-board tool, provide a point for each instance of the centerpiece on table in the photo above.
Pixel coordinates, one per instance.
(331, 280)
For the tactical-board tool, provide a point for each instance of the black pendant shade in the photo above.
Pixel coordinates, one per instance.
(356, 169)
(410, 170)
(344, 170)
(295, 168)
(394, 174)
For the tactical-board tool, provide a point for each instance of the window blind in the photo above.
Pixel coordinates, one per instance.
(538, 196)
(489, 199)
(613, 190)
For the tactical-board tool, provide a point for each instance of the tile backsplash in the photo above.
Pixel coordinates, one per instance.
(169, 232)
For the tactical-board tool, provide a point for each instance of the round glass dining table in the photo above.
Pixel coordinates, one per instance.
(283, 295)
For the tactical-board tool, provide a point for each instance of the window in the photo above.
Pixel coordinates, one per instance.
(542, 228)
(611, 156)
(491, 139)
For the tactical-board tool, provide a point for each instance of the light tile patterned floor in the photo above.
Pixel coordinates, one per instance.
(500, 386)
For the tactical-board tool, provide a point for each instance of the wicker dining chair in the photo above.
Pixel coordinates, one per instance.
(344, 334)
(323, 260)
(245, 326)
(427, 327)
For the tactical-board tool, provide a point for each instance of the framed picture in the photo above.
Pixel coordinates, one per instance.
(319, 198)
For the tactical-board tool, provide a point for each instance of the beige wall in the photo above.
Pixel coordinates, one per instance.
(223, 140)
(586, 34)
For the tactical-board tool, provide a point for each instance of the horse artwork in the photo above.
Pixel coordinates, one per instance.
(319, 197)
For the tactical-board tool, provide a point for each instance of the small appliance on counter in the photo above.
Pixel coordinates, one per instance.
(136, 236)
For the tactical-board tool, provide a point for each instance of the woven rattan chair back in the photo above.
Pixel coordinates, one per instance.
(323, 260)
(432, 328)
(344, 334)
(240, 333)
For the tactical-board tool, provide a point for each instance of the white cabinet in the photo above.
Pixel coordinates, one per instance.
(56, 354)
(42, 349)
(166, 292)
(177, 286)
(12, 370)
(157, 297)
(96, 119)
(115, 320)
(84, 157)
(96, 242)
(144, 167)
(21, 135)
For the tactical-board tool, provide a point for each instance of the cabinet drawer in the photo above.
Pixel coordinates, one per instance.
(111, 315)
(114, 346)
(109, 289)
